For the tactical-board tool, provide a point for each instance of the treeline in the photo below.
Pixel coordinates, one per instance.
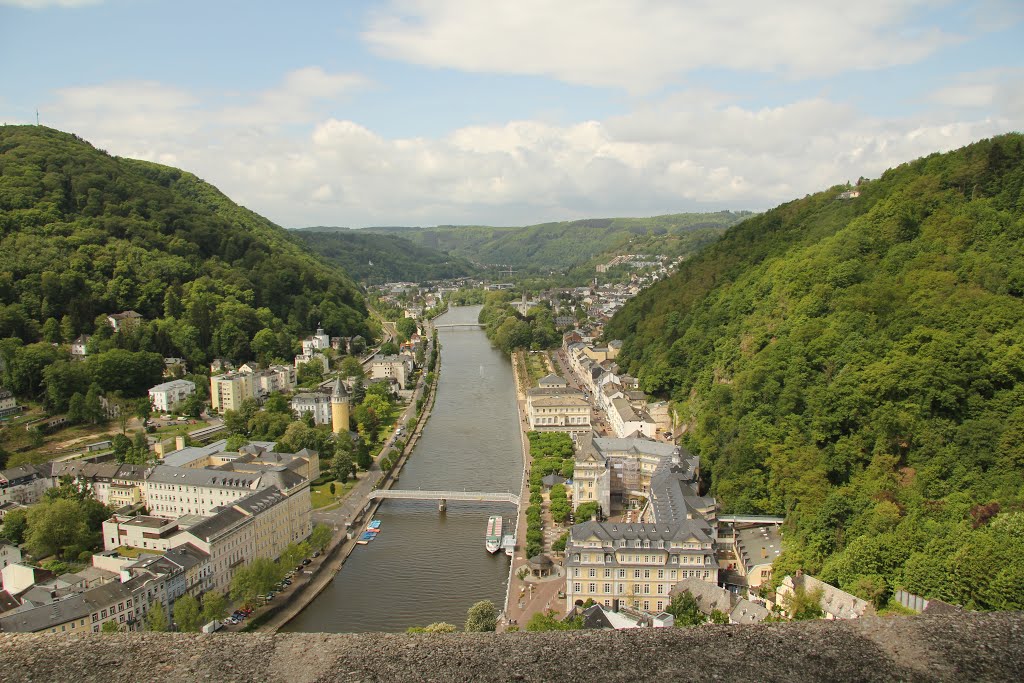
(509, 331)
(376, 259)
(84, 234)
(857, 365)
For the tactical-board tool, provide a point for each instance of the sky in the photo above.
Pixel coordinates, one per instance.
(426, 112)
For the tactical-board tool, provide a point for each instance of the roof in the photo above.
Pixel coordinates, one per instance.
(218, 524)
(708, 596)
(33, 619)
(174, 384)
(552, 480)
(186, 556)
(165, 474)
(698, 529)
(758, 545)
(747, 612)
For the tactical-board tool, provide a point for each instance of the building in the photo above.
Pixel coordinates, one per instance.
(23, 484)
(756, 549)
(259, 525)
(398, 368)
(638, 562)
(835, 603)
(79, 347)
(9, 554)
(8, 404)
(617, 473)
(316, 342)
(177, 491)
(557, 409)
(227, 391)
(276, 379)
(625, 420)
(124, 321)
(140, 531)
(168, 396)
(329, 404)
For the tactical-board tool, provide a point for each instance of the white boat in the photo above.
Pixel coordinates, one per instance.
(493, 538)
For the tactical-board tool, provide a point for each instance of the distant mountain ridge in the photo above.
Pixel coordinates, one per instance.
(561, 246)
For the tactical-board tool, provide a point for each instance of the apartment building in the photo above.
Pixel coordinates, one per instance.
(227, 391)
(168, 396)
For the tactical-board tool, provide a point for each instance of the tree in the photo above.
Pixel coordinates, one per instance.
(320, 537)
(436, 627)
(351, 367)
(388, 348)
(110, 627)
(254, 579)
(342, 466)
(547, 621)
(214, 607)
(482, 616)
(719, 617)
(187, 615)
(156, 619)
(802, 605)
(55, 526)
(235, 443)
(371, 414)
(15, 526)
(406, 327)
(685, 610)
(293, 554)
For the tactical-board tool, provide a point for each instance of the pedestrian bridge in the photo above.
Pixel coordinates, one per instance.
(445, 496)
(460, 326)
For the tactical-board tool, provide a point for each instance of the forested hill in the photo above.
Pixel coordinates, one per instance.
(84, 234)
(570, 244)
(375, 259)
(858, 365)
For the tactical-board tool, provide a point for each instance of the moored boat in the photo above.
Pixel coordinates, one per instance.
(493, 538)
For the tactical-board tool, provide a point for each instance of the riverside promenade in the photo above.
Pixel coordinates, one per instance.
(528, 595)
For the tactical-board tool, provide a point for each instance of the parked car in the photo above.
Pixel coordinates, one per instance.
(306, 561)
(316, 554)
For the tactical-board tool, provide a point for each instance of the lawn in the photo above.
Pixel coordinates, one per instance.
(321, 495)
(536, 366)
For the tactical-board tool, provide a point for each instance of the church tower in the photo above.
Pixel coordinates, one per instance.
(339, 407)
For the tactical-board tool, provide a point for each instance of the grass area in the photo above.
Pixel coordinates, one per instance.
(321, 495)
(536, 366)
(133, 553)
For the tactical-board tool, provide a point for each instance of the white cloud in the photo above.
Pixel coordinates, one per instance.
(274, 152)
(641, 46)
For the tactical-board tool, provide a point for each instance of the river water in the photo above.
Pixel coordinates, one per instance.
(426, 566)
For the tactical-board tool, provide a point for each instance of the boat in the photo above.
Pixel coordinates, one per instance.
(375, 524)
(493, 538)
(366, 537)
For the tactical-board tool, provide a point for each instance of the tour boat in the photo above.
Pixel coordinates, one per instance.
(493, 539)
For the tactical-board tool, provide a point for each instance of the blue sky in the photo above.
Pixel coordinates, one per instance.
(419, 112)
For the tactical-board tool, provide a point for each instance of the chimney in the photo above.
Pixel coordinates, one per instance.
(179, 442)
(615, 605)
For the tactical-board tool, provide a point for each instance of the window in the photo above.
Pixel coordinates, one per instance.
(661, 573)
(636, 573)
(591, 587)
(607, 588)
(593, 573)
(577, 588)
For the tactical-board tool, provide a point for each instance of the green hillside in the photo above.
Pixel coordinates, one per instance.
(858, 365)
(567, 245)
(84, 234)
(375, 259)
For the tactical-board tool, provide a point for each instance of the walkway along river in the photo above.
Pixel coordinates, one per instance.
(426, 566)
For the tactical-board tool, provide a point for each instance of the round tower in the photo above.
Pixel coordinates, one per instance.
(339, 407)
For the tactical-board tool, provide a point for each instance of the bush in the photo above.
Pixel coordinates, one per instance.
(536, 498)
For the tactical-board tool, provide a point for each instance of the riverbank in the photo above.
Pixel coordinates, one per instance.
(350, 519)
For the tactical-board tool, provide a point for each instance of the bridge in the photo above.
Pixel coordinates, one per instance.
(751, 519)
(445, 496)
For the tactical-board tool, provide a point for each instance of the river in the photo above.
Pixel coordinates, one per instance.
(426, 566)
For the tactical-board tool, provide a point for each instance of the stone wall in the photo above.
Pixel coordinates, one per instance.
(965, 647)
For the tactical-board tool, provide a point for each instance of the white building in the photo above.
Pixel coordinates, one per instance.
(169, 395)
(229, 390)
(398, 368)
